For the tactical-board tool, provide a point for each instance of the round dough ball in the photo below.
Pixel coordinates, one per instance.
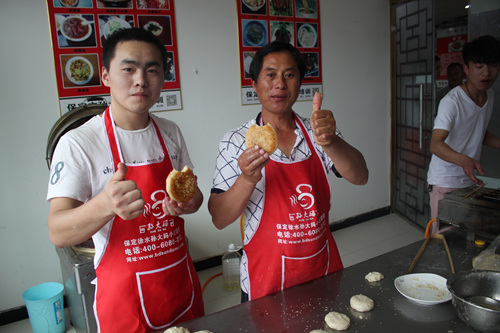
(337, 321)
(361, 303)
(374, 277)
(177, 330)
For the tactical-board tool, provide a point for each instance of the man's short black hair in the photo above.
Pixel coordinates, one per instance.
(273, 47)
(131, 34)
(483, 50)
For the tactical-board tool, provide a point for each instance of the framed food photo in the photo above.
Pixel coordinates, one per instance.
(78, 30)
(80, 70)
(291, 21)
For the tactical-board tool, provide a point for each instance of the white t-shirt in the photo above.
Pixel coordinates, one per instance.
(82, 165)
(466, 123)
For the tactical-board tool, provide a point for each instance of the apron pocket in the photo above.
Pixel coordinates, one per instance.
(297, 270)
(166, 293)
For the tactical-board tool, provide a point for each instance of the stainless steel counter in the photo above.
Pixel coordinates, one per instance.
(303, 308)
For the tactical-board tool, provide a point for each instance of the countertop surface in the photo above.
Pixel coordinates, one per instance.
(303, 308)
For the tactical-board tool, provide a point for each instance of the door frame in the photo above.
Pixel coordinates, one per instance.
(393, 100)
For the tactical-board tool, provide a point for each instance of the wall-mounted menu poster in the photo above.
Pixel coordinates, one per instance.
(293, 21)
(449, 50)
(78, 30)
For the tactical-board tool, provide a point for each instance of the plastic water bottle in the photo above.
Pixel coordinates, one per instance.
(231, 268)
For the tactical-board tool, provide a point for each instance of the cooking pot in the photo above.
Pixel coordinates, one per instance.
(476, 298)
(73, 119)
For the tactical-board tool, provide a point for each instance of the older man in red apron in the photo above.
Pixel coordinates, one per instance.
(285, 197)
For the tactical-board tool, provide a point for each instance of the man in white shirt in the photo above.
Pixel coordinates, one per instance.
(460, 128)
(108, 182)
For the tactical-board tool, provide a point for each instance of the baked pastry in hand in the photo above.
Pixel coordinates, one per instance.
(181, 185)
(263, 136)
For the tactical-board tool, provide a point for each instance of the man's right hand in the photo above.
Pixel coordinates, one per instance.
(226, 207)
(124, 196)
(251, 163)
(469, 165)
(445, 152)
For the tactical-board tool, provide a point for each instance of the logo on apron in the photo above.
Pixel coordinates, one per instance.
(304, 200)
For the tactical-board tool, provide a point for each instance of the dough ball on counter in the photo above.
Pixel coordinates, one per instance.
(374, 277)
(177, 330)
(361, 303)
(337, 321)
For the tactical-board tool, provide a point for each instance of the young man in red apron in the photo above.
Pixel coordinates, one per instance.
(146, 280)
(285, 198)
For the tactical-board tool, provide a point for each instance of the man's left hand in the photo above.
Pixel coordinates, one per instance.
(174, 208)
(323, 123)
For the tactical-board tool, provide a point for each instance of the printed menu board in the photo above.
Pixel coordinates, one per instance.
(78, 30)
(293, 21)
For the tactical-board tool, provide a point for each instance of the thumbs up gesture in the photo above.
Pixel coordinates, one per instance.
(322, 123)
(125, 198)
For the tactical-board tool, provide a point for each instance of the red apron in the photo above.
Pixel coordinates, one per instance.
(293, 243)
(145, 279)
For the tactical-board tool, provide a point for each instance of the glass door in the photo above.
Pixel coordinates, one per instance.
(413, 90)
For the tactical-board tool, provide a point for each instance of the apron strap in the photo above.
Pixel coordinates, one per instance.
(109, 130)
(113, 144)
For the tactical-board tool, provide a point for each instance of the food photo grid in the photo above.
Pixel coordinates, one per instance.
(79, 29)
(291, 21)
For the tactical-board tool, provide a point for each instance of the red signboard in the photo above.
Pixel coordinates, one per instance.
(293, 21)
(80, 27)
(449, 50)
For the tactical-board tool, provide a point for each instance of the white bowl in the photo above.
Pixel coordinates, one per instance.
(82, 80)
(154, 27)
(303, 13)
(83, 22)
(307, 36)
(113, 25)
(67, 3)
(423, 288)
(255, 8)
